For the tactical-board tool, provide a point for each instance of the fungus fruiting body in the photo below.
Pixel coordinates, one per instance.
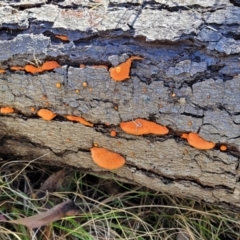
(32, 69)
(32, 109)
(223, 148)
(184, 135)
(80, 120)
(121, 72)
(196, 141)
(62, 37)
(100, 66)
(107, 159)
(140, 126)
(46, 114)
(113, 133)
(58, 85)
(16, 68)
(6, 110)
(48, 65)
(82, 65)
(85, 84)
(2, 71)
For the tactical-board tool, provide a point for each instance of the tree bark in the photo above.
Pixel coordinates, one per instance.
(188, 80)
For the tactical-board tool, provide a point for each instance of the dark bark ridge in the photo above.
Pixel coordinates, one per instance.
(190, 49)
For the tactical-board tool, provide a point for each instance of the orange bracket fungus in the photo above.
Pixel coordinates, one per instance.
(140, 126)
(58, 85)
(107, 159)
(46, 114)
(223, 148)
(80, 120)
(100, 66)
(184, 135)
(121, 72)
(2, 71)
(113, 133)
(85, 84)
(196, 141)
(17, 68)
(6, 110)
(48, 65)
(62, 37)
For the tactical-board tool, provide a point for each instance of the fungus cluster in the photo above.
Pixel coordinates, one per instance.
(140, 126)
(103, 157)
(196, 141)
(121, 72)
(107, 159)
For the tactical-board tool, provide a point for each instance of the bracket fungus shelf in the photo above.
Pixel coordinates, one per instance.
(141, 126)
(107, 159)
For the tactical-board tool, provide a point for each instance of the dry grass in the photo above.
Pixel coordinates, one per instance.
(108, 209)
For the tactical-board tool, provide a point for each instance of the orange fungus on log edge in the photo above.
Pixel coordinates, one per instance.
(16, 68)
(6, 110)
(107, 159)
(62, 37)
(48, 65)
(140, 126)
(223, 147)
(113, 133)
(46, 114)
(184, 135)
(196, 141)
(80, 120)
(121, 72)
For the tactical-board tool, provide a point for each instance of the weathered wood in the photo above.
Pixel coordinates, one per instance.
(189, 80)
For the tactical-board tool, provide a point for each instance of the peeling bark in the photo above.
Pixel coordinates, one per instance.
(189, 80)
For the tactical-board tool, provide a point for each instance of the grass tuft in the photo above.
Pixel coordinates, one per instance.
(109, 209)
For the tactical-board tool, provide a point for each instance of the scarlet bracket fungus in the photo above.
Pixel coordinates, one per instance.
(6, 110)
(32, 109)
(58, 85)
(113, 133)
(121, 72)
(140, 126)
(184, 135)
(223, 148)
(16, 68)
(80, 120)
(196, 141)
(100, 66)
(46, 114)
(62, 37)
(107, 159)
(48, 65)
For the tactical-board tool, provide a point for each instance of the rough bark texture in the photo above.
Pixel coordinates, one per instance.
(190, 48)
